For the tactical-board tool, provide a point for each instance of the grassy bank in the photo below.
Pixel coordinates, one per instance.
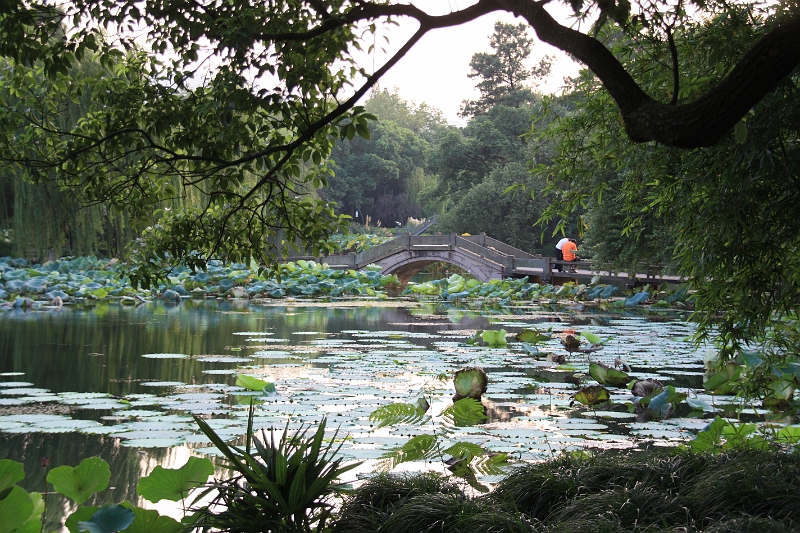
(642, 491)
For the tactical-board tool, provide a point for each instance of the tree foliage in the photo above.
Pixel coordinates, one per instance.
(250, 136)
(381, 176)
(731, 209)
(503, 74)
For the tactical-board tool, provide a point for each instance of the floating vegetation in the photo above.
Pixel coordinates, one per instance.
(64, 282)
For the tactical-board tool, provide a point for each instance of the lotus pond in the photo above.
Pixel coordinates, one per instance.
(123, 381)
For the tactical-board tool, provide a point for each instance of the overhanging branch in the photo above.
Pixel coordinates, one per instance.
(700, 123)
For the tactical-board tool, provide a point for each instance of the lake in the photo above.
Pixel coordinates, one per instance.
(123, 382)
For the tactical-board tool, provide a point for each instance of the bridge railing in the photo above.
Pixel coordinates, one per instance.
(484, 240)
(382, 250)
(506, 261)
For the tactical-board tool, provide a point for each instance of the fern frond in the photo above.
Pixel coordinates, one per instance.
(464, 450)
(397, 413)
(419, 447)
(464, 413)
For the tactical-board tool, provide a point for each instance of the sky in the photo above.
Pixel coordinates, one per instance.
(435, 71)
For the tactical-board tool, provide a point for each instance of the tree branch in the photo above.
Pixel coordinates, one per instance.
(700, 123)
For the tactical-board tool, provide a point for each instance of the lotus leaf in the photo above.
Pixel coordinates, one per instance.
(470, 383)
(108, 519)
(604, 374)
(10, 473)
(645, 388)
(637, 298)
(532, 336)
(16, 507)
(494, 339)
(254, 384)
(202, 277)
(591, 337)
(81, 482)
(150, 521)
(592, 395)
(175, 484)
(710, 437)
(661, 405)
(608, 292)
(697, 403)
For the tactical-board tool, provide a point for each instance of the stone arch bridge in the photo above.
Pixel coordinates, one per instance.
(481, 256)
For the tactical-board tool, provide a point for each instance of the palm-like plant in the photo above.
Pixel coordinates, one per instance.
(284, 486)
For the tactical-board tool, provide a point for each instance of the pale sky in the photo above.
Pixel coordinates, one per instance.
(435, 70)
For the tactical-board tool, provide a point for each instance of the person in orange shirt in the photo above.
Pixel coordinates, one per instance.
(569, 249)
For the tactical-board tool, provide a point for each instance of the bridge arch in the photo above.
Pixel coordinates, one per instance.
(406, 265)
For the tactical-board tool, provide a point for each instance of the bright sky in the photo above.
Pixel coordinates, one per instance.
(435, 70)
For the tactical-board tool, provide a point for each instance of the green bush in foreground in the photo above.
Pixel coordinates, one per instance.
(641, 491)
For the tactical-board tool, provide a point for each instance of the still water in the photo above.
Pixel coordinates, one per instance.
(123, 382)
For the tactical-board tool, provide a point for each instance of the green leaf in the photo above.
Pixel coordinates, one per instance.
(532, 336)
(397, 413)
(419, 447)
(108, 519)
(740, 132)
(84, 513)
(362, 130)
(81, 482)
(788, 435)
(716, 381)
(592, 338)
(10, 473)
(464, 450)
(34, 523)
(710, 437)
(495, 339)
(16, 508)
(465, 412)
(175, 484)
(606, 375)
(149, 521)
(491, 465)
(254, 384)
(592, 395)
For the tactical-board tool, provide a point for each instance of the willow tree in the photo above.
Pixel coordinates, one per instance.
(41, 219)
(252, 134)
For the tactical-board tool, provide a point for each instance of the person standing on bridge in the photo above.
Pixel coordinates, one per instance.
(569, 250)
(559, 253)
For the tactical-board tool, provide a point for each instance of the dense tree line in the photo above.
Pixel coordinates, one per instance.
(414, 165)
